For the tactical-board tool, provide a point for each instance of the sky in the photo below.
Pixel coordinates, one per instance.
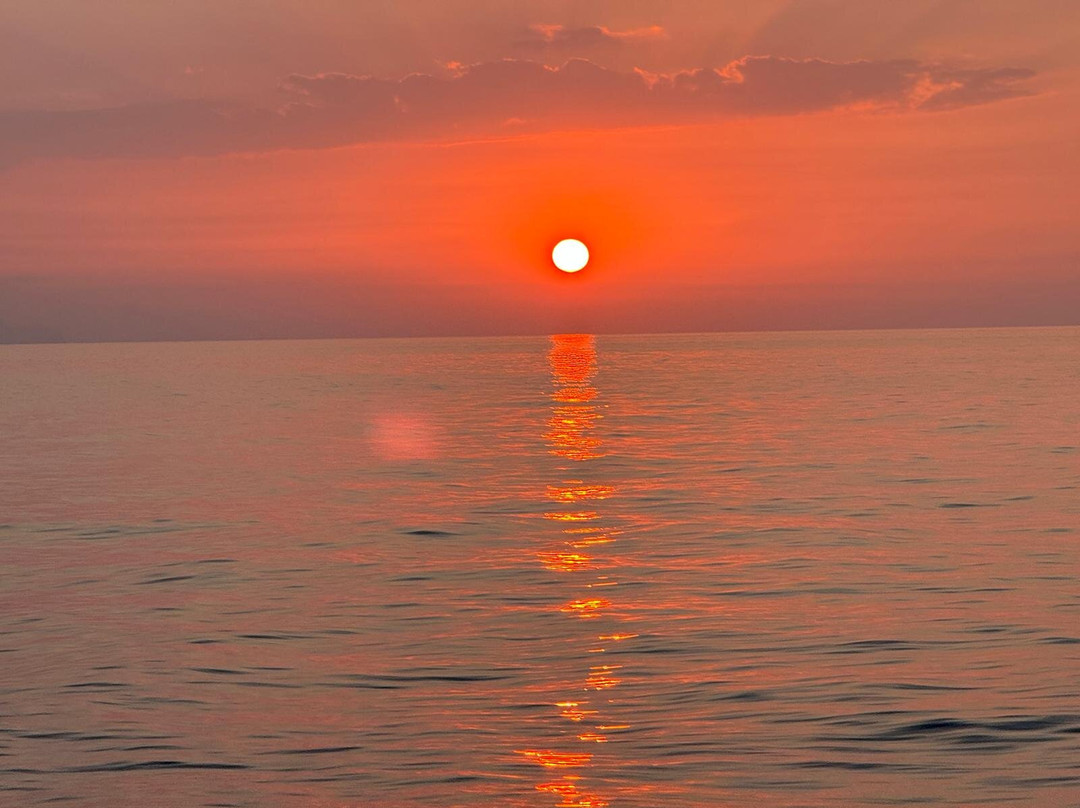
(213, 169)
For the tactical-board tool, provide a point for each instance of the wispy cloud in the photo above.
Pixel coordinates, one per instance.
(331, 109)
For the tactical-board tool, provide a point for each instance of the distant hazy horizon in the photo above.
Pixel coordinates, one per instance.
(32, 311)
(537, 334)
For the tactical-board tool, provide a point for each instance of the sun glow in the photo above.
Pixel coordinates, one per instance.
(570, 255)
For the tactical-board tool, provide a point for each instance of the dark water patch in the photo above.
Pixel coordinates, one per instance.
(167, 700)
(106, 532)
(968, 505)
(365, 685)
(1028, 724)
(150, 747)
(1035, 782)
(759, 593)
(870, 646)
(100, 534)
(150, 765)
(77, 737)
(747, 695)
(983, 742)
(168, 579)
(428, 532)
(851, 765)
(1008, 731)
(405, 680)
(97, 685)
(324, 750)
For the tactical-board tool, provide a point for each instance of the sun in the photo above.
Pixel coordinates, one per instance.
(570, 255)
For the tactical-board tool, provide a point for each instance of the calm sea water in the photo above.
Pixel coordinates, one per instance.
(785, 570)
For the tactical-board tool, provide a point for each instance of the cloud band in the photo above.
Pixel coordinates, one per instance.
(338, 109)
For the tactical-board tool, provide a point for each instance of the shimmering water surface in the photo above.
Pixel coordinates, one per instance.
(782, 570)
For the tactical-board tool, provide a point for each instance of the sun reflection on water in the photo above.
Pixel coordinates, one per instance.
(570, 436)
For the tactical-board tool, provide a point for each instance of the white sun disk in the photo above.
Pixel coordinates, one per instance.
(570, 255)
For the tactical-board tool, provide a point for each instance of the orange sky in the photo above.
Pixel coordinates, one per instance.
(221, 173)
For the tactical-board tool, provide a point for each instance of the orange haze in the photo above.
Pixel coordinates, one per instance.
(844, 180)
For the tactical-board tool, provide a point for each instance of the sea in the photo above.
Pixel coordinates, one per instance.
(577, 571)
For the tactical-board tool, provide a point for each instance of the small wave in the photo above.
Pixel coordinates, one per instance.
(126, 766)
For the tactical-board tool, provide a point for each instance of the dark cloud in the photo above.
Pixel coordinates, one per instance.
(558, 37)
(337, 109)
(962, 88)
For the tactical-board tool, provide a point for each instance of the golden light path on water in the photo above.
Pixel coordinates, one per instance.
(570, 436)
